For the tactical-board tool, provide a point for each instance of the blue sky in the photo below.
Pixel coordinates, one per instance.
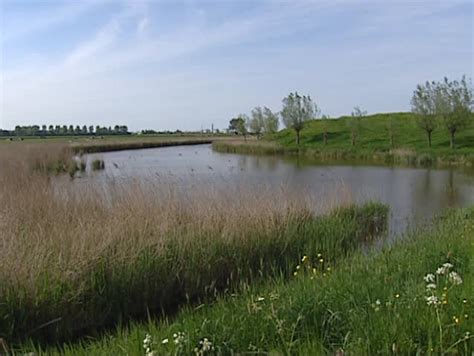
(166, 64)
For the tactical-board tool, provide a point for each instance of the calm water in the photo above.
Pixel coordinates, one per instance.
(414, 194)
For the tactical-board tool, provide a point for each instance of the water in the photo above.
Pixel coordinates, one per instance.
(414, 195)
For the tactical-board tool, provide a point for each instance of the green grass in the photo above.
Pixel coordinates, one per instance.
(123, 282)
(373, 143)
(372, 303)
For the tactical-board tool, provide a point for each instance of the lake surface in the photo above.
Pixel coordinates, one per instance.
(414, 195)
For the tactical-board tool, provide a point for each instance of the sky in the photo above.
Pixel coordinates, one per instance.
(171, 64)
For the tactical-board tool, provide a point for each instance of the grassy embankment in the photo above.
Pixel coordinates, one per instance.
(365, 304)
(74, 262)
(410, 145)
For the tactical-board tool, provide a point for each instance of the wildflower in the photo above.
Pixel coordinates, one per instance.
(298, 267)
(377, 302)
(321, 260)
(206, 345)
(466, 316)
(260, 299)
(456, 319)
(464, 301)
(165, 341)
(179, 338)
(314, 270)
(447, 265)
(295, 273)
(397, 295)
(304, 258)
(147, 345)
(319, 255)
(432, 300)
(454, 278)
(431, 286)
(440, 270)
(328, 269)
(429, 278)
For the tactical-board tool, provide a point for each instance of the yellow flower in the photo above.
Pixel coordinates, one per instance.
(304, 258)
(445, 301)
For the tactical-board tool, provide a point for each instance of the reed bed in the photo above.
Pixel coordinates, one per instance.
(75, 261)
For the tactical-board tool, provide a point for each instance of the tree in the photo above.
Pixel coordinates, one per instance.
(391, 130)
(296, 111)
(91, 130)
(270, 121)
(423, 104)
(239, 124)
(325, 126)
(256, 122)
(355, 123)
(454, 102)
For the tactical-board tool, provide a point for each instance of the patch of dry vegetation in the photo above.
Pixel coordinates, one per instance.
(74, 260)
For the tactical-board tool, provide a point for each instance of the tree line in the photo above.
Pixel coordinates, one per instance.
(446, 103)
(64, 130)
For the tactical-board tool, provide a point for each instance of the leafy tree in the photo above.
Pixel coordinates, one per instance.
(256, 122)
(423, 104)
(239, 124)
(270, 121)
(296, 111)
(454, 102)
(355, 123)
(91, 130)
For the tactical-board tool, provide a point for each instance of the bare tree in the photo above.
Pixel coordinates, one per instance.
(423, 104)
(296, 111)
(325, 125)
(355, 123)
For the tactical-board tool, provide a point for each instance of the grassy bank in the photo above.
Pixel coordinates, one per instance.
(409, 146)
(370, 304)
(75, 260)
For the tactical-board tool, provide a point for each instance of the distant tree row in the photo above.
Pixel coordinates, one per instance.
(261, 121)
(58, 130)
(446, 103)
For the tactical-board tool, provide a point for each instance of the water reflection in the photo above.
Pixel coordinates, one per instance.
(414, 195)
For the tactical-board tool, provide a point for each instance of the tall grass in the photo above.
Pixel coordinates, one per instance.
(76, 260)
(367, 304)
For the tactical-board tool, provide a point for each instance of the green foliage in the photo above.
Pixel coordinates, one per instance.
(189, 267)
(367, 304)
(297, 110)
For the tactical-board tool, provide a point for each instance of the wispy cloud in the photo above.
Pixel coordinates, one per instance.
(143, 62)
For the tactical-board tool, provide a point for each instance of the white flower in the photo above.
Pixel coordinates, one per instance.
(179, 338)
(206, 345)
(429, 278)
(165, 341)
(431, 286)
(441, 270)
(447, 265)
(260, 299)
(377, 302)
(432, 300)
(454, 278)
